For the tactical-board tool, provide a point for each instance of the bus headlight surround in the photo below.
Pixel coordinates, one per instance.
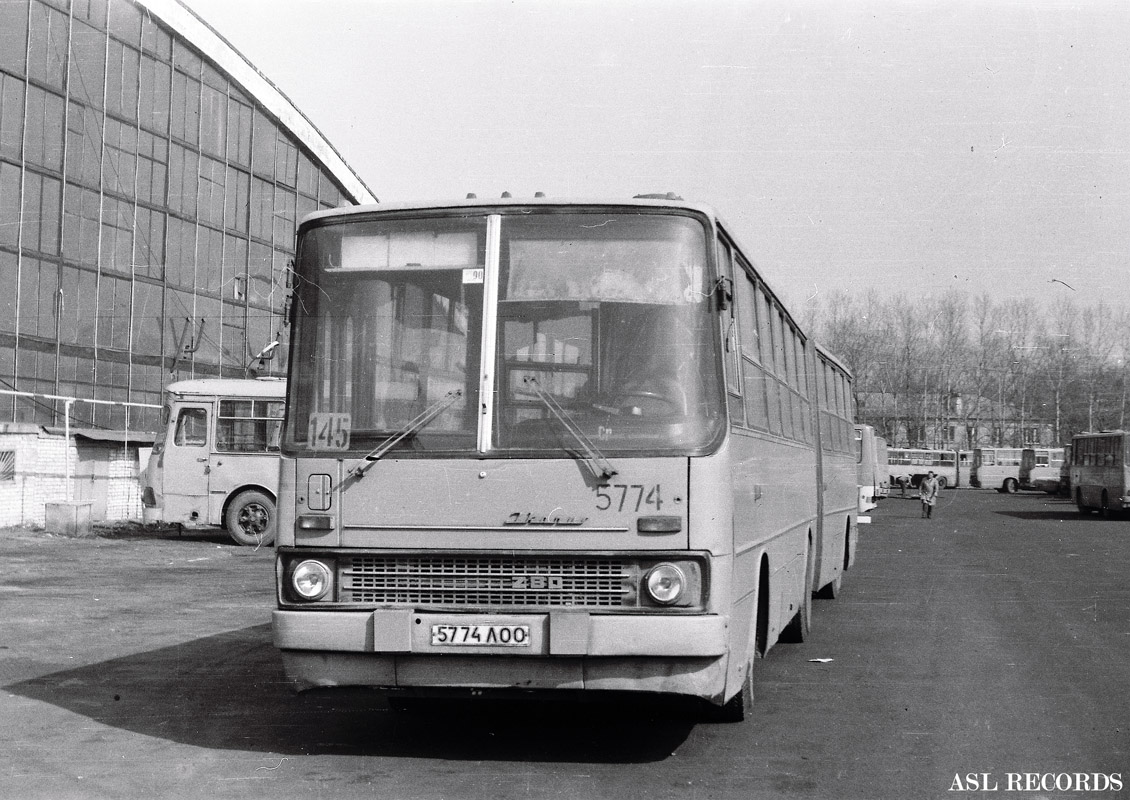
(665, 583)
(311, 580)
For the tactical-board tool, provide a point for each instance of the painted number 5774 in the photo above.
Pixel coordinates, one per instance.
(628, 497)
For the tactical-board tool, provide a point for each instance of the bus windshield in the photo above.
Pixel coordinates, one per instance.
(607, 315)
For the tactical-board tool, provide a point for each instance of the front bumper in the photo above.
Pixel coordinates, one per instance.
(568, 650)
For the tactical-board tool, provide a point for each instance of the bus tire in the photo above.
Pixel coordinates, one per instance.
(831, 590)
(1084, 509)
(942, 482)
(739, 707)
(1107, 511)
(250, 519)
(1009, 486)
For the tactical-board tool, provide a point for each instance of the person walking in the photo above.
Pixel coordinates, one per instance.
(928, 494)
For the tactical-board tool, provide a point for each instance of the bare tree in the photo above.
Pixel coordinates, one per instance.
(1018, 329)
(1059, 355)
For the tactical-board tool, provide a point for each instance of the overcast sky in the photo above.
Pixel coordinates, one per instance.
(907, 146)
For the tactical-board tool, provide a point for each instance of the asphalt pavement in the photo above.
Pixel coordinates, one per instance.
(981, 653)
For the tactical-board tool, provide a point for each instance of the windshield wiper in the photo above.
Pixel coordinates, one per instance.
(423, 419)
(593, 460)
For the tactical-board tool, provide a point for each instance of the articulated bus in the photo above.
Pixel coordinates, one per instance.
(1100, 472)
(909, 466)
(542, 445)
(873, 469)
(999, 467)
(217, 460)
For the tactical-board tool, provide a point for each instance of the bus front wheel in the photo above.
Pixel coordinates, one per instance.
(250, 519)
(942, 482)
(1010, 486)
(740, 706)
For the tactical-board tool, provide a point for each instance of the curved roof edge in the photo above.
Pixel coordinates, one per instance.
(186, 23)
(252, 387)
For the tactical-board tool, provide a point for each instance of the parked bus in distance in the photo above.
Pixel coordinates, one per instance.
(883, 461)
(1040, 468)
(216, 462)
(909, 466)
(1100, 472)
(1064, 489)
(999, 467)
(873, 474)
(558, 446)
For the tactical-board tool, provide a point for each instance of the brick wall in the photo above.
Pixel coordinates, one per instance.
(40, 476)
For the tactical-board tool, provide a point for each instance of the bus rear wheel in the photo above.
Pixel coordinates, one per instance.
(942, 482)
(250, 519)
(1107, 511)
(831, 590)
(1010, 486)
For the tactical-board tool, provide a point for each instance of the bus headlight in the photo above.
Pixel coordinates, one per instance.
(311, 580)
(665, 583)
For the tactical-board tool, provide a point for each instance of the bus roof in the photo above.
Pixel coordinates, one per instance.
(230, 387)
(514, 204)
(833, 359)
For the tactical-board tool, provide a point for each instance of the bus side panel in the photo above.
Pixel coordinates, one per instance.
(773, 508)
(285, 505)
(838, 526)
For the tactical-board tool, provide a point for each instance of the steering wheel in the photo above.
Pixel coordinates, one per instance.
(676, 404)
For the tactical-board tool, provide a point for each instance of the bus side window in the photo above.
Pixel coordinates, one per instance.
(192, 428)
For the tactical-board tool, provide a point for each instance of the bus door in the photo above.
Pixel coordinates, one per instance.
(186, 463)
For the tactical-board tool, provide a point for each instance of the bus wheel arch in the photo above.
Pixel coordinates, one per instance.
(799, 628)
(740, 706)
(1010, 486)
(1084, 509)
(831, 590)
(250, 516)
(942, 482)
(761, 617)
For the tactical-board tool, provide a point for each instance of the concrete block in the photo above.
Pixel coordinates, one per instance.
(70, 518)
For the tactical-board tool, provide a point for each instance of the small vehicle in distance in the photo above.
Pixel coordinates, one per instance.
(217, 460)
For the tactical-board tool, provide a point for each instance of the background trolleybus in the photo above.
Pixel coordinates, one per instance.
(217, 460)
(539, 445)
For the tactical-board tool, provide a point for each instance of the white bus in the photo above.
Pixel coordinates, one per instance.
(1041, 468)
(872, 467)
(559, 446)
(999, 467)
(216, 463)
(909, 466)
(1100, 472)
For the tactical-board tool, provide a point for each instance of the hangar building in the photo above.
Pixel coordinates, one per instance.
(151, 180)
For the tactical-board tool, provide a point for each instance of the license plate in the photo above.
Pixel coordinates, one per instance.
(481, 635)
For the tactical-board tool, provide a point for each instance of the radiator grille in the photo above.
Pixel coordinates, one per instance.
(486, 581)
